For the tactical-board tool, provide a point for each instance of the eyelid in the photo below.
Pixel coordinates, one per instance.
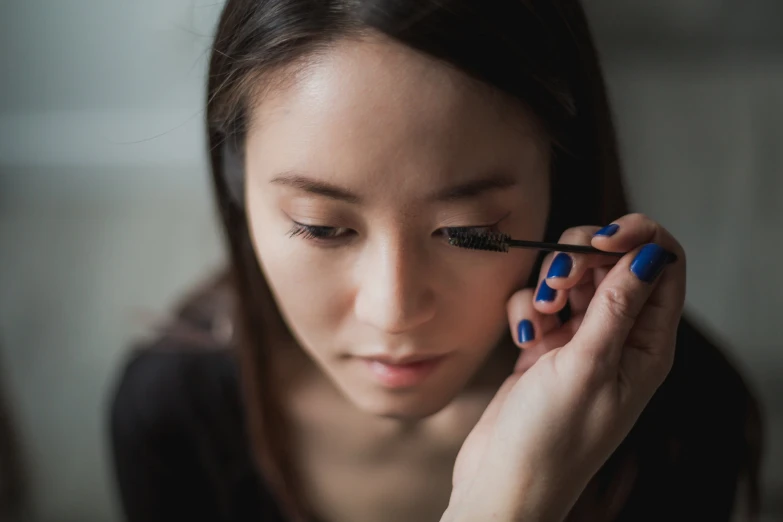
(461, 221)
(308, 212)
(489, 225)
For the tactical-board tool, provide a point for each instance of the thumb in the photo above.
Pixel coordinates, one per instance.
(616, 305)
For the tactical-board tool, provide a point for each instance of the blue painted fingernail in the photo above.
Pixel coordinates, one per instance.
(561, 266)
(545, 293)
(608, 230)
(525, 331)
(649, 262)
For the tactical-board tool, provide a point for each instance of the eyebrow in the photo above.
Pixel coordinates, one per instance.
(474, 188)
(460, 192)
(313, 186)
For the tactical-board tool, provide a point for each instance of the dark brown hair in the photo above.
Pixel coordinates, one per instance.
(541, 53)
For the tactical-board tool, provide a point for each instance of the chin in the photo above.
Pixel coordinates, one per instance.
(410, 409)
(409, 404)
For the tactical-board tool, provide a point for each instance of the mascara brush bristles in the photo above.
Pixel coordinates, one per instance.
(492, 241)
(497, 242)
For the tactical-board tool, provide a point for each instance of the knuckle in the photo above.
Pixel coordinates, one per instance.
(577, 235)
(619, 304)
(520, 303)
(646, 223)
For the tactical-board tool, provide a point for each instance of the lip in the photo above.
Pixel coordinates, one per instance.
(404, 372)
(401, 361)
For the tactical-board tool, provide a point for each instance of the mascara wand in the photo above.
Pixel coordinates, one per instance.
(497, 242)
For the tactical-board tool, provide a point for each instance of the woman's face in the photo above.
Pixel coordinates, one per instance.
(355, 169)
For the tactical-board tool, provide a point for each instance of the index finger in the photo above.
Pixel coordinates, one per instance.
(619, 302)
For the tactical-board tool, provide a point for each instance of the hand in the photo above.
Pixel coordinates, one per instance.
(579, 387)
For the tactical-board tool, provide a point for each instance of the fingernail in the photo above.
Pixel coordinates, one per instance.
(649, 262)
(561, 266)
(545, 293)
(525, 331)
(608, 230)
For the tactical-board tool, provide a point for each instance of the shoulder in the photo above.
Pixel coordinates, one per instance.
(699, 440)
(708, 387)
(170, 385)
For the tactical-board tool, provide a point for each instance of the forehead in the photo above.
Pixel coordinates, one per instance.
(373, 106)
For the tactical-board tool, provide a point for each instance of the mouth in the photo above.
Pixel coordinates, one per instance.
(404, 372)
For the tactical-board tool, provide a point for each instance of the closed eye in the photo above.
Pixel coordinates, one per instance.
(326, 234)
(319, 233)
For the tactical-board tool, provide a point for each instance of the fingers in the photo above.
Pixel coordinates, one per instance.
(668, 296)
(629, 232)
(634, 297)
(580, 296)
(612, 312)
(649, 348)
(562, 273)
(527, 324)
(564, 270)
(634, 302)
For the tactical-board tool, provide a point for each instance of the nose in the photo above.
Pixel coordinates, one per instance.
(394, 294)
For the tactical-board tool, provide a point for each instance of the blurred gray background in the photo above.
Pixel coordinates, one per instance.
(106, 217)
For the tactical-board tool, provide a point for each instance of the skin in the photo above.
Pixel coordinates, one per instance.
(393, 128)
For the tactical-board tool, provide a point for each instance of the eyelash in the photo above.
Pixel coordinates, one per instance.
(315, 233)
(323, 234)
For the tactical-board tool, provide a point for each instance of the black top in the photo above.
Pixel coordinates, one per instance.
(181, 451)
(179, 442)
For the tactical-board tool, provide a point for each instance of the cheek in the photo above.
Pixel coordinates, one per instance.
(475, 305)
(310, 293)
(482, 285)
